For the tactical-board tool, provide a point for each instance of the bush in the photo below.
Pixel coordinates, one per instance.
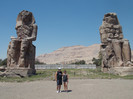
(3, 62)
(0, 61)
(98, 61)
(79, 62)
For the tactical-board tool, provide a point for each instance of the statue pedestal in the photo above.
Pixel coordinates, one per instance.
(19, 72)
(122, 71)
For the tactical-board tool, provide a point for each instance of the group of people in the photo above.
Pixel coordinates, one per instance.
(58, 77)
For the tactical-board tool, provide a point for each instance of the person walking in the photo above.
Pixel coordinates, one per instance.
(58, 78)
(65, 81)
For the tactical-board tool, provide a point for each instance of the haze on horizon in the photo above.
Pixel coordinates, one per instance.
(64, 22)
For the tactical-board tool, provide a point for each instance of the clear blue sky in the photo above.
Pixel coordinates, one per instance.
(64, 22)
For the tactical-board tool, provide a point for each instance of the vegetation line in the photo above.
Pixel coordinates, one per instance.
(73, 74)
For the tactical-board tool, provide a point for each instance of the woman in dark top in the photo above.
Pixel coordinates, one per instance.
(65, 80)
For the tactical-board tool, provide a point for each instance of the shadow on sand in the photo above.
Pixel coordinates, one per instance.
(66, 91)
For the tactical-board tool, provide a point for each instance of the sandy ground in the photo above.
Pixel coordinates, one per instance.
(80, 89)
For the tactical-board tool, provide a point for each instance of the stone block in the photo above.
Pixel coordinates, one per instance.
(122, 71)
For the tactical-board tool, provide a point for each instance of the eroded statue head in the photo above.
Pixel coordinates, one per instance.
(111, 18)
(25, 18)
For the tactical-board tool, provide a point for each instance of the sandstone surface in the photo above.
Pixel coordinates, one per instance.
(67, 55)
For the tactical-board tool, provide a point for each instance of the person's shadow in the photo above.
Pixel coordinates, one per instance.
(66, 91)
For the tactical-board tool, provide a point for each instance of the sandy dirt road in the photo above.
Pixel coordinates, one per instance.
(81, 89)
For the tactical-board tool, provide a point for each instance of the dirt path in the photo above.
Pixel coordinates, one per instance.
(81, 89)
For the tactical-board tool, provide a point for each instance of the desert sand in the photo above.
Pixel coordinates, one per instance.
(79, 89)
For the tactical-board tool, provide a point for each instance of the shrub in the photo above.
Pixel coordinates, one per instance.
(3, 62)
(98, 61)
(79, 62)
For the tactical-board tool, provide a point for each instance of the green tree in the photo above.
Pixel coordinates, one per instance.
(0, 61)
(81, 62)
(3, 62)
(98, 61)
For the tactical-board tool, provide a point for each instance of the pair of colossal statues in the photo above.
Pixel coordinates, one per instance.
(114, 49)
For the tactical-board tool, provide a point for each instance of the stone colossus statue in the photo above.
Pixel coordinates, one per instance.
(115, 50)
(21, 51)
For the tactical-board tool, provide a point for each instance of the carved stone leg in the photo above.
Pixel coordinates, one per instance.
(23, 52)
(104, 60)
(118, 51)
(127, 53)
(31, 59)
(13, 52)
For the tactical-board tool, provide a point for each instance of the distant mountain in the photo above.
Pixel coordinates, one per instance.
(67, 55)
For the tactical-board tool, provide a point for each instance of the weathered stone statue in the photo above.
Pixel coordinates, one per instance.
(21, 51)
(115, 50)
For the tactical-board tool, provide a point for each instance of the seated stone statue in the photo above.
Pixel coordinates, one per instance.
(21, 51)
(115, 50)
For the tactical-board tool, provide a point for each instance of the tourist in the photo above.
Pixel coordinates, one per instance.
(58, 78)
(65, 81)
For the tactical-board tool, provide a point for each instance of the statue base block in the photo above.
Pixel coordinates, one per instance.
(122, 71)
(19, 72)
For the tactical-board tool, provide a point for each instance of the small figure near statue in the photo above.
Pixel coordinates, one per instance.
(58, 78)
(65, 80)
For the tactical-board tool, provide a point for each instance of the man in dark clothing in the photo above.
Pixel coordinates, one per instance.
(58, 78)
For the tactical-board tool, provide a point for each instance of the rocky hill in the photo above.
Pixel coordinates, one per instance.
(67, 55)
